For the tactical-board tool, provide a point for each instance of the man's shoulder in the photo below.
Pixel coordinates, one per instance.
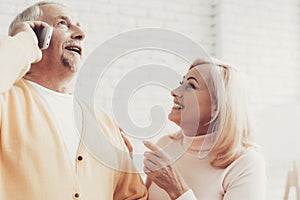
(20, 90)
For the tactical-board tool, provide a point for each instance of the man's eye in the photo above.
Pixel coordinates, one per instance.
(62, 22)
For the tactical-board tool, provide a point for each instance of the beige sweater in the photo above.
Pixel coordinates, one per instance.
(34, 162)
(243, 179)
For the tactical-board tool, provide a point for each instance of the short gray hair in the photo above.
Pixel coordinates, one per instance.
(31, 13)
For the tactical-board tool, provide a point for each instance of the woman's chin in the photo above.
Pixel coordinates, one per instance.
(174, 119)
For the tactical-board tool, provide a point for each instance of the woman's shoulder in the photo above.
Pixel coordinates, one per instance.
(246, 173)
(250, 155)
(250, 161)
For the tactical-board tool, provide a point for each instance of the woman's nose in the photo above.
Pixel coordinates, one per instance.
(176, 92)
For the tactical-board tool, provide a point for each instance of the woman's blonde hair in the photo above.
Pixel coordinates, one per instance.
(230, 123)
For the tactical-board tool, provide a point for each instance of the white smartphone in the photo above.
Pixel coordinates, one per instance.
(44, 36)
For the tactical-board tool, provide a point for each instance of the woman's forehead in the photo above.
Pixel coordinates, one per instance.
(200, 71)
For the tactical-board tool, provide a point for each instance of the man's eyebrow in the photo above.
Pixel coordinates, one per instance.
(67, 19)
(189, 78)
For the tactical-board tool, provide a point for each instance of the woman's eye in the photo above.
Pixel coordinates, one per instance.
(190, 85)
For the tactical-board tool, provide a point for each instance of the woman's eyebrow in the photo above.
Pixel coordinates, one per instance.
(193, 79)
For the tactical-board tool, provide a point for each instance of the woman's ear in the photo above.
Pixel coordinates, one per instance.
(213, 110)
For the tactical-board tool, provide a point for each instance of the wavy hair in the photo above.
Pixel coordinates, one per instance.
(231, 122)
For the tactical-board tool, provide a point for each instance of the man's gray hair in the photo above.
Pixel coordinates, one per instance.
(31, 13)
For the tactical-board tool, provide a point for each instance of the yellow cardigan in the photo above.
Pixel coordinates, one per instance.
(34, 163)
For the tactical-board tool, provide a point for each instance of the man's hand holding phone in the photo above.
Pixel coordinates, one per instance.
(41, 31)
(38, 30)
(44, 36)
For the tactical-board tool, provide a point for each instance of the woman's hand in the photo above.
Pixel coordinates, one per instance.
(158, 169)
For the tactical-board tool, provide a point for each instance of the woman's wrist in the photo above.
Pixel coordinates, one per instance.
(177, 193)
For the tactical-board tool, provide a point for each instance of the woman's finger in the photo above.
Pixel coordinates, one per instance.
(151, 146)
(150, 166)
(149, 155)
(156, 150)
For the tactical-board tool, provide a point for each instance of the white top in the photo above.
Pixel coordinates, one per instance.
(245, 178)
(61, 105)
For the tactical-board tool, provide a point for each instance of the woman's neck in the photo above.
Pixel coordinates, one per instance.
(203, 130)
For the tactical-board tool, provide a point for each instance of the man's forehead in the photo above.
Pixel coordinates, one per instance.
(58, 11)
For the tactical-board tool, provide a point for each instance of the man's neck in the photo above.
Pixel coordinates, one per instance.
(62, 86)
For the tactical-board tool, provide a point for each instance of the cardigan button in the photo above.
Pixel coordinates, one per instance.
(79, 158)
(76, 195)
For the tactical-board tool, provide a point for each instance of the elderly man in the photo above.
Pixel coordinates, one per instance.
(43, 155)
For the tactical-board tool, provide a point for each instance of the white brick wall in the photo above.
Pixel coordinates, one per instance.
(263, 39)
(260, 37)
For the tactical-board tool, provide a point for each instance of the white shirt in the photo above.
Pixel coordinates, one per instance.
(61, 105)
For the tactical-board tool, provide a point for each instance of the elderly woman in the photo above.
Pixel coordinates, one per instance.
(213, 156)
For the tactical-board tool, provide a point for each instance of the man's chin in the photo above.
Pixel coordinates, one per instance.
(72, 64)
(75, 68)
